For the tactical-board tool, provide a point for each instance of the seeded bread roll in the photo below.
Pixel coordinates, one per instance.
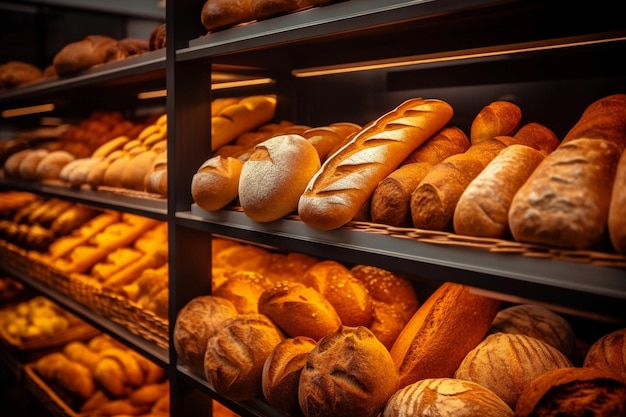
(499, 118)
(617, 208)
(348, 373)
(446, 397)
(573, 392)
(505, 363)
(347, 179)
(28, 166)
(243, 289)
(236, 354)
(216, 183)
(608, 354)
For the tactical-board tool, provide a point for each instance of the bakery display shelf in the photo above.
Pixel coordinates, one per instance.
(140, 203)
(508, 271)
(129, 75)
(147, 348)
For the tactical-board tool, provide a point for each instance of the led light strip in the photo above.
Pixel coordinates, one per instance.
(22, 111)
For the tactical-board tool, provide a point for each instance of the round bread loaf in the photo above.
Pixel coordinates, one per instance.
(538, 322)
(609, 354)
(446, 397)
(275, 176)
(195, 323)
(580, 392)
(13, 162)
(243, 289)
(50, 166)
(28, 166)
(281, 372)
(299, 310)
(387, 324)
(16, 73)
(236, 354)
(499, 118)
(505, 363)
(348, 373)
(216, 183)
(347, 295)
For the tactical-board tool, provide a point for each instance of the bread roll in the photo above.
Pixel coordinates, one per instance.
(299, 310)
(236, 354)
(195, 323)
(537, 136)
(450, 323)
(483, 208)
(216, 183)
(348, 373)
(348, 178)
(274, 177)
(50, 166)
(17, 73)
(608, 354)
(447, 142)
(573, 392)
(135, 171)
(434, 200)
(347, 294)
(538, 322)
(505, 363)
(446, 397)
(82, 54)
(617, 208)
(28, 166)
(499, 118)
(281, 372)
(157, 38)
(565, 202)
(217, 14)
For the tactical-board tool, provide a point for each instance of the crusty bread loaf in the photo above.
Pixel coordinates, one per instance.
(573, 392)
(134, 173)
(17, 73)
(217, 14)
(50, 166)
(28, 166)
(608, 354)
(537, 136)
(483, 208)
(236, 354)
(617, 208)
(347, 294)
(195, 323)
(348, 373)
(505, 363)
(274, 177)
(156, 179)
(82, 54)
(498, 118)
(12, 163)
(538, 322)
(446, 397)
(450, 323)
(348, 178)
(263, 9)
(605, 119)
(243, 289)
(281, 372)
(326, 139)
(299, 310)
(387, 324)
(435, 198)
(565, 201)
(447, 142)
(216, 182)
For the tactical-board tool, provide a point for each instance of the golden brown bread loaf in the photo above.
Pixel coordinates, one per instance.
(387, 324)
(505, 363)
(274, 177)
(348, 178)
(538, 322)
(326, 139)
(347, 294)
(28, 165)
(483, 208)
(449, 324)
(446, 397)
(50, 166)
(135, 172)
(608, 354)
(263, 9)
(82, 54)
(281, 372)
(447, 142)
(157, 38)
(72, 376)
(217, 14)
(243, 289)
(216, 182)
(573, 392)
(17, 73)
(537, 136)
(499, 118)
(299, 310)
(603, 119)
(195, 323)
(617, 208)
(348, 373)
(236, 354)
(565, 201)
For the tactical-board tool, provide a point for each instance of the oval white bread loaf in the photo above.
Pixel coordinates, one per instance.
(446, 397)
(505, 363)
(348, 373)
(274, 177)
(608, 354)
(483, 208)
(449, 324)
(447, 142)
(617, 208)
(216, 183)
(50, 166)
(498, 118)
(565, 201)
(348, 178)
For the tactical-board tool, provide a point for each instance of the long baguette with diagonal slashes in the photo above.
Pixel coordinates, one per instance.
(348, 178)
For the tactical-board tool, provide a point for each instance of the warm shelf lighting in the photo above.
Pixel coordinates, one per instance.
(449, 56)
(22, 111)
(242, 83)
(152, 94)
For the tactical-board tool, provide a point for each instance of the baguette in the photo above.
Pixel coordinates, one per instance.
(447, 142)
(499, 118)
(348, 178)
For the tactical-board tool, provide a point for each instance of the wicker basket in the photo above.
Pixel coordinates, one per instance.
(46, 395)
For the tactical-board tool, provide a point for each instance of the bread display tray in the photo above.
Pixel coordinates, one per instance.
(46, 395)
